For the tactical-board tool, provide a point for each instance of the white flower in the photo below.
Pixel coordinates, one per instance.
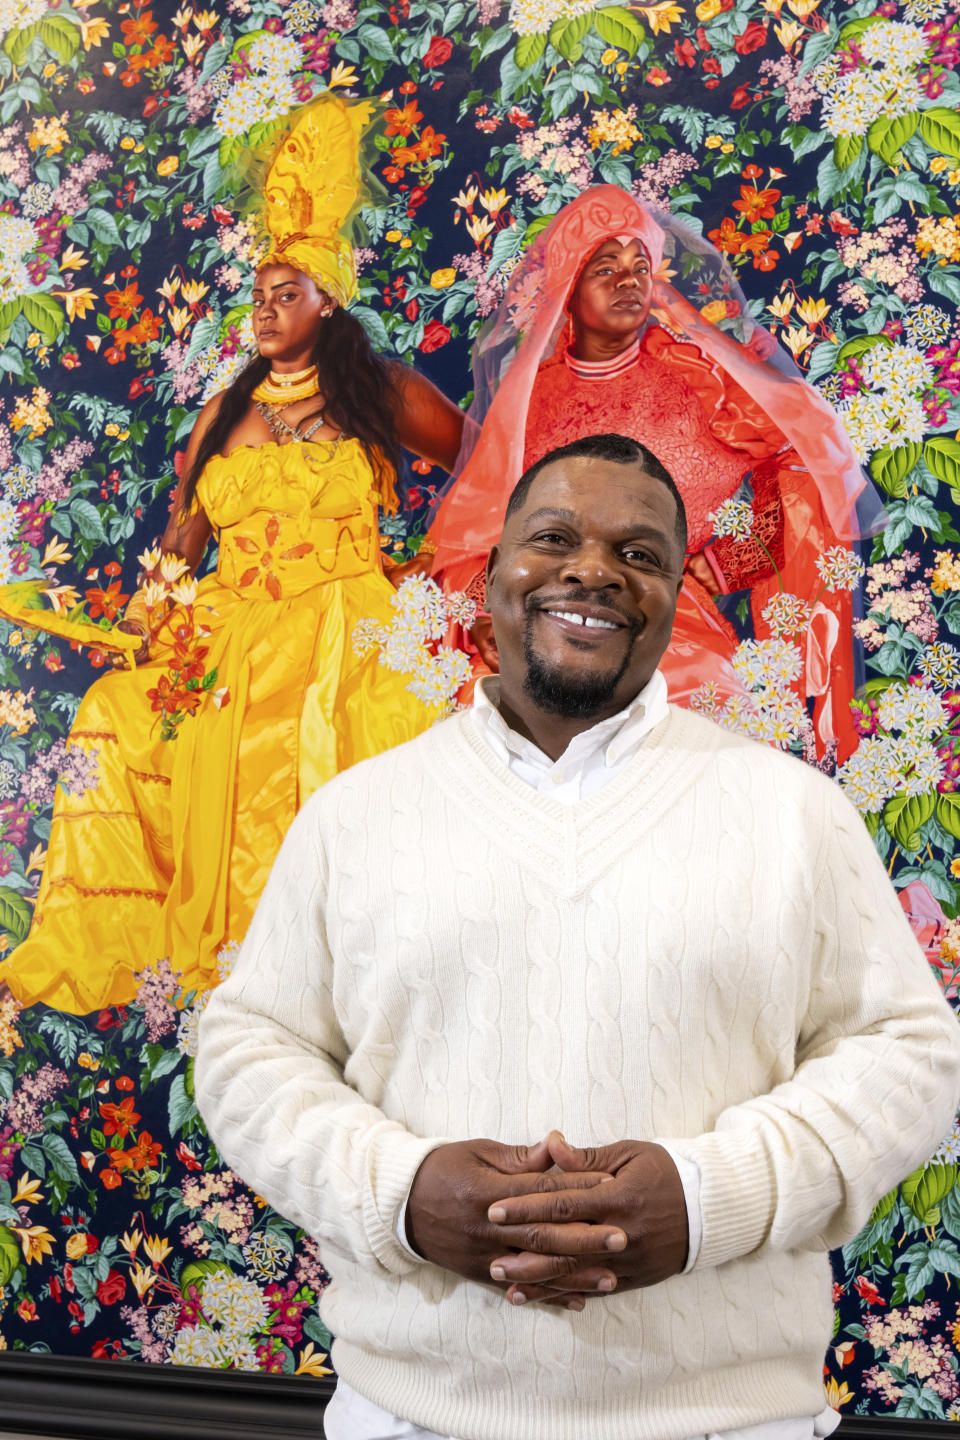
(904, 367)
(196, 1345)
(786, 614)
(226, 956)
(17, 236)
(940, 664)
(19, 14)
(236, 1303)
(733, 518)
(6, 565)
(421, 603)
(840, 568)
(761, 662)
(189, 1022)
(275, 54)
(911, 707)
(461, 609)
(9, 521)
(892, 44)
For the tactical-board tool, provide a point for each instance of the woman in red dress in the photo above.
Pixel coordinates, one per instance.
(596, 334)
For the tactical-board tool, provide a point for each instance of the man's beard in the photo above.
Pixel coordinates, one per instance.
(576, 695)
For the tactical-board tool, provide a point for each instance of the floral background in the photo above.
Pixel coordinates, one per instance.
(816, 142)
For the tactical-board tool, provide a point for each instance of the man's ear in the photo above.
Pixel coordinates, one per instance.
(493, 559)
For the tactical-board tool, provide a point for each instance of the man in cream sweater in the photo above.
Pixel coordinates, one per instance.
(574, 916)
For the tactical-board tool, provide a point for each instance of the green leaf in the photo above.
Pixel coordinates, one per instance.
(884, 1206)
(940, 128)
(948, 814)
(889, 134)
(925, 1188)
(846, 148)
(567, 33)
(61, 1160)
(15, 915)
(103, 225)
(529, 50)
(18, 42)
(855, 28)
(45, 315)
(537, 224)
(376, 42)
(891, 467)
(181, 1107)
(60, 36)
(8, 314)
(942, 457)
(9, 1254)
(619, 27)
(905, 814)
(196, 1274)
(859, 345)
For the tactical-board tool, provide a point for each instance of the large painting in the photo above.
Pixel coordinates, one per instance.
(814, 147)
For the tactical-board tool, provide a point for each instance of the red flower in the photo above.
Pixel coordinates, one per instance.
(56, 1290)
(839, 224)
(142, 1156)
(401, 122)
(767, 260)
(111, 569)
(434, 336)
(741, 96)
(712, 66)
(751, 172)
(124, 1082)
(93, 1244)
(728, 238)
(412, 310)
(110, 1179)
(868, 1291)
(408, 87)
(106, 1020)
(106, 602)
(752, 38)
(439, 52)
(27, 1310)
(53, 662)
(186, 1157)
(112, 1289)
(685, 52)
(656, 75)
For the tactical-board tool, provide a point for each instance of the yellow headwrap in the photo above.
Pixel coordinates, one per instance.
(314, 183)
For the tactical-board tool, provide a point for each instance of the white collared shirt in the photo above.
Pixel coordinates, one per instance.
(593, 759)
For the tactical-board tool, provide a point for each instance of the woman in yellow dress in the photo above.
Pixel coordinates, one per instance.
(167, 855)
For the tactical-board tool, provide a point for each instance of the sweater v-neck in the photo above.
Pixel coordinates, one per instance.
(569, 844)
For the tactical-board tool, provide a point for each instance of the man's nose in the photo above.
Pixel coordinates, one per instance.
(594, 567)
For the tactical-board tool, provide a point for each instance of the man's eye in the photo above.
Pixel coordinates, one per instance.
(550, 537)
(647, 558)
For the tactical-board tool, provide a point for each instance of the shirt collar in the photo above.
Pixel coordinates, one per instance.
(616, 735)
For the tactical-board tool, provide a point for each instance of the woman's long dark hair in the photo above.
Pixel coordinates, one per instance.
(359, 395)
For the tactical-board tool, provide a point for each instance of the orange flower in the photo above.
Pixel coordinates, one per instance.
(401, 122)
(138, 30)
(123, 302)
(143, 1155)
(106, 602)
(110, 1178)
(119, 1119)
(728, 238)
(756, 204)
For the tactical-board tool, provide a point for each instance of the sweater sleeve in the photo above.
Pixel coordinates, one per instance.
(270, 1083)
(876, 1079)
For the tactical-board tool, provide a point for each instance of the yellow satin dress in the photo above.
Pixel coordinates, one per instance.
(168, 854)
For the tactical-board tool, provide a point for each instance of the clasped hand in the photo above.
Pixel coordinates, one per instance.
(551, 1222)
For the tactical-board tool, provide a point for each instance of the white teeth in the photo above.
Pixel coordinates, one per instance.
(578, 619)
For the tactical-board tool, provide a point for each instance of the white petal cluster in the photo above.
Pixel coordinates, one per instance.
(888, 765)
(411, 643)
(786, 614)
(18, 14)
(265, 92)
(913, 708)
(840, 568)
(235, 1303)
(733, 518)
(535, 17)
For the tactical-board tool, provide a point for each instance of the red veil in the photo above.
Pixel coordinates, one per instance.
(760, 405)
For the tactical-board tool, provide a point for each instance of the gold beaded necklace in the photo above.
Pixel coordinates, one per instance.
(287, 389)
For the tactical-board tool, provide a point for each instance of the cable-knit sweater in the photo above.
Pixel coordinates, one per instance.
(712, 956)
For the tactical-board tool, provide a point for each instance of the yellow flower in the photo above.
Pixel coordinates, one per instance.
(713, 142)
(94, 31)
(608, 56)
(193, 291)
(32, 415)
(479, 227)
(714, 311)
(130, 1242)
(708, 9)
(955, 872)
(111, 428)
(127, 143)
(156, 1247)
(49, 131)
(149, 559)
(192, 45)
(87, 1061)
(168, 165)
(405, 243)
(812, 311)
(14, 638)
(205, 19)
(939, 163)
(727, 149)
(781, 305)
(35, 1241)
(27, 1192)
(311, 1363)
(953, 176)
(183, 17)
(76, 1246)
(393, 236)
(342, 74)
(837, 1395)
(172, 567)
(788, 32)
(803, 9)
(56, 553)
(440, 279)
(72, 259)
(179, 317)
(661, 17)
(185, 591)
(33, 340)
(143, 1279)
(138, 148)
(78, 302)
(798, 340)
(49, 70)
(464, 198)
(493, 200)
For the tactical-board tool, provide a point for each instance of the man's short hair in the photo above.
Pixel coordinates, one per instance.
(622, 450)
